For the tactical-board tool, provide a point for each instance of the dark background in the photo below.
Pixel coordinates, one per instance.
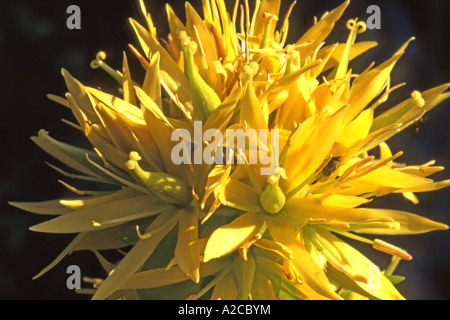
(35, 44)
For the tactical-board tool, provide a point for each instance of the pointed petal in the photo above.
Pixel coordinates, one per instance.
(306, 209)
(310, 273)
(72, 156)
(357, 130)
(311, 144)
(136, 257)
(128, 90)
(320, 31)
(171, 75)
(228, 238)
(161, 277)
(406, 223)
(239, 195)
(225, 289)
(103, 216)
(355, 50)
(187, 253)
(376, 285)
(388, 177)
(50, 207)
(369, 85)
(61, 256)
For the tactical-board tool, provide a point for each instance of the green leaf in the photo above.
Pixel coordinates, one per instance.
(395, 279)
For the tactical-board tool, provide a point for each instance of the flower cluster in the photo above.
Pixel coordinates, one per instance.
(226, 231)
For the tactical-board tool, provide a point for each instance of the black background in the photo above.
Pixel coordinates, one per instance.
(35, 43)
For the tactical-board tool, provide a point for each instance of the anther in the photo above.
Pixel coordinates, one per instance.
(385, 247)
(417, 98)
(142, 236)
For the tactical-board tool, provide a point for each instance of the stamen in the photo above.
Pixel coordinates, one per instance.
(417, 98)
(235, 10)
(252, 178)
(96, 282)
(98, 62)
(142, 236)
(392, 266)
(202, 57)
(144, 63)
(385, 247)
(385, 96)
(288, 270)
(343, 268)
(265, 43)
(105, 163)
(96, 224)
(73, 189)
(285, 24)
(364, 163)
(73, 125)
(308, 180)
(173, 48)
(247, 30)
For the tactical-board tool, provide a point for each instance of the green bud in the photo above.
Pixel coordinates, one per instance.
(164, 186)
(272, 199)
(204, 98)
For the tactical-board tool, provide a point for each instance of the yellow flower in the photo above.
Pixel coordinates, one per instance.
(227, 230)
(327, 171)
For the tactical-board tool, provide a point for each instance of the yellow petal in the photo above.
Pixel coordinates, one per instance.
(388, 177)
(357, 130)
(80, 96)
(320, 31)
(225, 289)
(220, 117)
(50, 207)
(376, 285)
(187, 251)
(311, 144)
(262, 288)
(128, 90)
(89, 202)
(258, 22)
(136, 257)
(175, 25)
(251, 110)
(340, 200)
(72, 156)
(152, 80)
(244, 272)
(405, 223)
(432, 186)
(310, 273)
(240, 196)
(399, 113)
(369, 85)
(171, 75)
(120, 106)
(65, 252)
(276, 247)
(423, 170)
(309, 209)
(355, 50)
(103, 216)
(228, 238)
(207, 42)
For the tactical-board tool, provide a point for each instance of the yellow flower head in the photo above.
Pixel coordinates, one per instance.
(273, 228)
